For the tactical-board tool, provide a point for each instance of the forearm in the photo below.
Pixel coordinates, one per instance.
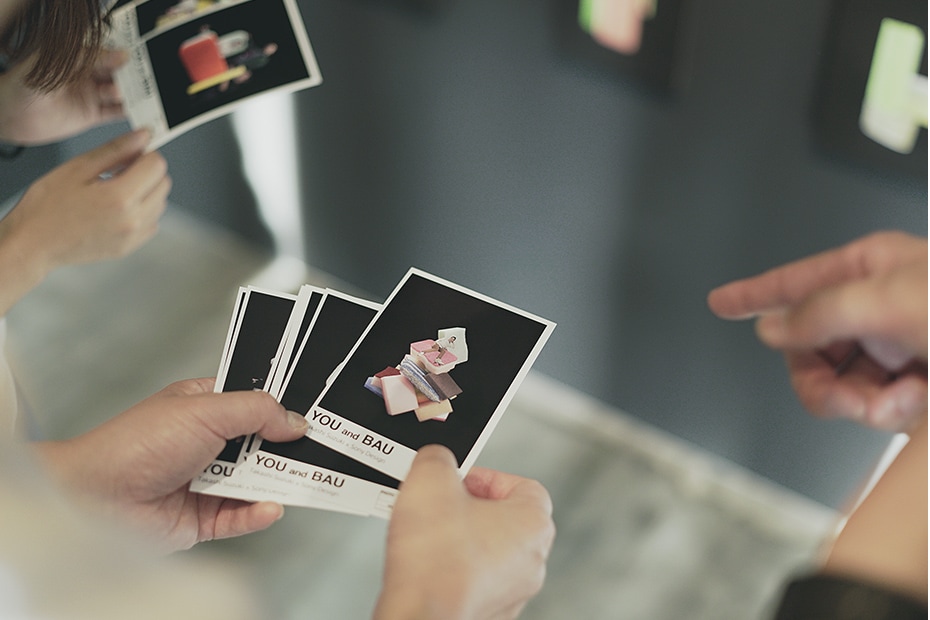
(23, 263)
(884, 540)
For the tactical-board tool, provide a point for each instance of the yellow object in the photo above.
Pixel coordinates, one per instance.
(219, 78)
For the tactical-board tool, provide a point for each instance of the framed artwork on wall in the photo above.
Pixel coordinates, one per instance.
(871, 103)
(634, 40)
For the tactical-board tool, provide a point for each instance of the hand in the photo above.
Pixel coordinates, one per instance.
(137, 466)
(869, 295)
(464, 550)
(72, 215)
(31, 117)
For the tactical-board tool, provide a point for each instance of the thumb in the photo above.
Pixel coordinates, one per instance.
(233, 414)
(433, 469)
(113, 155)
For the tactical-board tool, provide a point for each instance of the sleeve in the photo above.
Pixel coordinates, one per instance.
(832, 597)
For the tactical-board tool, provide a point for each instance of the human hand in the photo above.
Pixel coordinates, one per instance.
(869, 295)
(137, 466)
(472, 549)
(73, 215)
(31, 117)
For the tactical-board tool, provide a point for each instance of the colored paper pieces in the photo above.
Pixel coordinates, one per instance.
(422, 382)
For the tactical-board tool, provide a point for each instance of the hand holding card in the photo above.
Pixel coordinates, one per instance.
(487, 558)
(154, 448)
(436, 364)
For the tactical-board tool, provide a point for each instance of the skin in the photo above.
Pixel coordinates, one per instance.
(871, 296)
(871, 293)
(167, 440)
(72, 215)
(456, 549)
(30, 117)
(884, 540)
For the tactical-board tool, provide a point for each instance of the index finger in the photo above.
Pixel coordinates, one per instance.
(486, 483)
(789, 284)
(142, 176)
(110, 156)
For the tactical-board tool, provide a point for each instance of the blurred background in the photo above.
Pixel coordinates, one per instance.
(497, 144)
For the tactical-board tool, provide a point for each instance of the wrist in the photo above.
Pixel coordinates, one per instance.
(418, 603)
(24, 262)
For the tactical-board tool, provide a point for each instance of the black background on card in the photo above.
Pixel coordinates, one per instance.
(499, 342)
(263, 322)
(267, 21)
(336, 330)
(314, 302)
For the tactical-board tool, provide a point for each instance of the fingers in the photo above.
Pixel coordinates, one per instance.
(233, 414)
(821, 391)
(109, 99)
(781, 286)
(837, 313)
(857, 310)
(899, 406)
(789, 284)
(491, 484)
(189, 387)
(108, 61)
(865, 392)
(238, 518)
(112, 155)
(434, 470)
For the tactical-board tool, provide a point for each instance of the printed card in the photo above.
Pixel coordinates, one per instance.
(438, 364)
(308, 470)
(193, 61)
(257, 326)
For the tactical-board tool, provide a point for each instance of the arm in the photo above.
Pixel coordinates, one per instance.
(884, 541)
(137, 466)
(872, 294)
(71, 215)
(472, 549)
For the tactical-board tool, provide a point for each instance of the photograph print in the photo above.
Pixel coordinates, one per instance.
(220, 57)
(437, 365)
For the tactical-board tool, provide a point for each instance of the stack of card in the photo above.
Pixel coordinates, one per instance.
(317, 353)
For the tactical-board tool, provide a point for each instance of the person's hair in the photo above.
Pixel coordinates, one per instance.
(60, 37)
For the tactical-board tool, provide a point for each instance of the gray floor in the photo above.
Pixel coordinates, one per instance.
(649, 527)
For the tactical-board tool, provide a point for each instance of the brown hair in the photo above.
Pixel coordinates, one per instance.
(60, 37)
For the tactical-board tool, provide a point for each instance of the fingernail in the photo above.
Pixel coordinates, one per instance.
(771, 328)
(297, 421)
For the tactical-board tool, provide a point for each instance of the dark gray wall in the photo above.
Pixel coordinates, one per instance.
(466, 142)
